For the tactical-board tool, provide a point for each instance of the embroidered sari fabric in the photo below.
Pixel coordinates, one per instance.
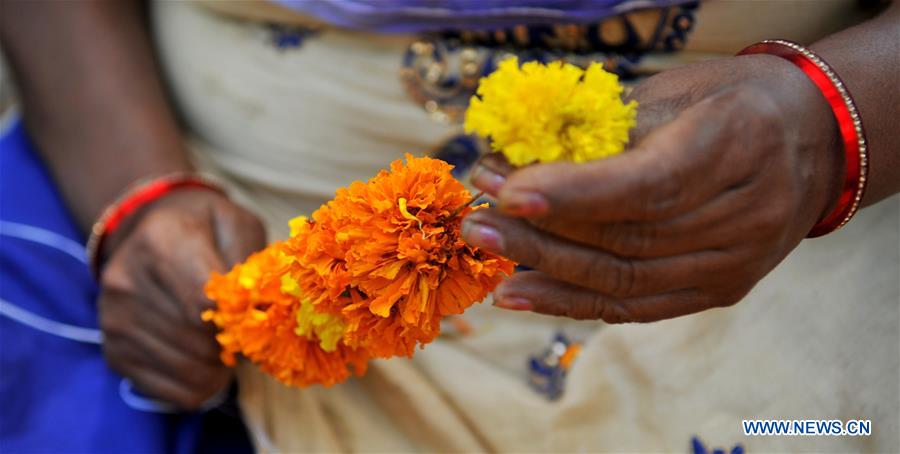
(410, 16)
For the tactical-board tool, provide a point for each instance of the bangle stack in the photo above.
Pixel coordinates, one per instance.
(848, 120)
(137, 196)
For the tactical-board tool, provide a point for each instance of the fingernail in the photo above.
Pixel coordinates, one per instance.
(514, 303)
(487, 180)
(521, 203)
(483, 236)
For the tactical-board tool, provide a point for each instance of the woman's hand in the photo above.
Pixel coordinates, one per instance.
(152, 293)
(735, 160)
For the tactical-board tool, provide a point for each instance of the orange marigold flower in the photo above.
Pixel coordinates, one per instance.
(387, 255)
(262, 316)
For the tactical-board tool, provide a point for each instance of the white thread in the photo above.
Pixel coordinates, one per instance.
(71, 248)
(66, 331)
(44, 237)
(149, 404)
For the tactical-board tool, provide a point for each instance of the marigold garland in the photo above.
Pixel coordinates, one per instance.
(376, 269)
(371, 275)
(257, 315)
(551, 112)
(388, 256)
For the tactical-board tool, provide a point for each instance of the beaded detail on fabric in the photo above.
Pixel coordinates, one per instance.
(441, 71)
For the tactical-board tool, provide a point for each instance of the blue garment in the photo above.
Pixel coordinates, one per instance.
(57, 393)
(411, 16)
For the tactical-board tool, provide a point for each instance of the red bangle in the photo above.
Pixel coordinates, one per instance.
(134, 198)
(848, 120)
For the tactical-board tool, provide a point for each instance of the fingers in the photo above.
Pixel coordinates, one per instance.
(135, 302)
(649, 182)
(183, 256)
(537, 292)
(198, 342)
(666, 237)
(169, 356)
(163, 386)
(156, 363)
(490, 173)
(583, 265)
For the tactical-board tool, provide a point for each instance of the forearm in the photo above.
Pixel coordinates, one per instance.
(867, 57)
(92, 97)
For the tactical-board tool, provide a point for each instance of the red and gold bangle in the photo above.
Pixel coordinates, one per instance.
(848, 120)
(138, 195)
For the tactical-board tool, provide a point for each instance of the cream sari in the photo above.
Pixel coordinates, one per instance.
(819, 338)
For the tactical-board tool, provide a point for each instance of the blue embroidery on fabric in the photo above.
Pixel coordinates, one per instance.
(285, 37)
(547, 370)
(697, 447)
(462, 152)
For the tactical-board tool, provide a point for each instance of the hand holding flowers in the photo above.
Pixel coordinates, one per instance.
(733, 162)
(151, 293)
(708, 201)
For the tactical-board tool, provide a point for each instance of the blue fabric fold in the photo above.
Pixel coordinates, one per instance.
(58, 394)
(411, 16)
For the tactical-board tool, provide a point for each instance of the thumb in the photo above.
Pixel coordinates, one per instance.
(238, 232)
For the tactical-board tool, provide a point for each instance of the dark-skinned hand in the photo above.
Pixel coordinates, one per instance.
(733, 161)
(152, 293)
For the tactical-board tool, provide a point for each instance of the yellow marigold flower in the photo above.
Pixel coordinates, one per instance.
(262, 315)
(551, 112)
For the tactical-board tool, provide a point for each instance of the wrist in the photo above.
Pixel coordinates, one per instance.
(845, 117)
(120, 218)
(809, 130)
(817, 141)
